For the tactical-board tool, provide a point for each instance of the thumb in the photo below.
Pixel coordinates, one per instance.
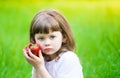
(40, 53)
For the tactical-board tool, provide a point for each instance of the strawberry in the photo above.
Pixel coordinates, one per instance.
(34, 47)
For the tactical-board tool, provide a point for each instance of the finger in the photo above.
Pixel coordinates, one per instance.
(26, 49)
(26, 55)
(39, 53)
(32, 55)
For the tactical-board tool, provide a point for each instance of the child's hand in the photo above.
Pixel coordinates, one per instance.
(35, 61)
(34, 47)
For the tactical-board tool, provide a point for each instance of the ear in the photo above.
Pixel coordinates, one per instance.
(64, 39)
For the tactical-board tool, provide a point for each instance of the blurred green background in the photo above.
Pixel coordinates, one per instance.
(95, 24)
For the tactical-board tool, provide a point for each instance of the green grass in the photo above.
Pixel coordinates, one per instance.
(96, 28)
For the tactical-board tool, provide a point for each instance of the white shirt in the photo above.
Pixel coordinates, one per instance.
(67, 66)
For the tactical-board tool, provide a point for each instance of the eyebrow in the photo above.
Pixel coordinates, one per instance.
(41, 34)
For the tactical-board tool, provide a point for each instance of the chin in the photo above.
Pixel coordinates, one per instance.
(49, 53)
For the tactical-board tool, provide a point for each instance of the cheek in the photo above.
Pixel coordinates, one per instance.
(41, 44)
(57, 43)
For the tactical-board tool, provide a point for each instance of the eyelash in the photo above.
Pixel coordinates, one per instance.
(42, 38)
(52, 37)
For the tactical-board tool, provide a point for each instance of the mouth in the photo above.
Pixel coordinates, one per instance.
(47, 49)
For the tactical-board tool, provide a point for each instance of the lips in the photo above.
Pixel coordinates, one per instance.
(47, 49)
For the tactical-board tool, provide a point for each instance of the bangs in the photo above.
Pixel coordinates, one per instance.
(45, 24)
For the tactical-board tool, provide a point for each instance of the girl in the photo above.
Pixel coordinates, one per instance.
(56, 59)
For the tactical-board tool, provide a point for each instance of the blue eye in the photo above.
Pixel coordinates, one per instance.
(52, 37)
(41, 38)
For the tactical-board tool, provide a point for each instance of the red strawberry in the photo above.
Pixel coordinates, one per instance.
(34, 47)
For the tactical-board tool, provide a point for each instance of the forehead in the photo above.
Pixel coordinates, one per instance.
(45, 24)
(56, 33)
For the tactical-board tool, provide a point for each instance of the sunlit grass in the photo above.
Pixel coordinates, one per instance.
(95, 25)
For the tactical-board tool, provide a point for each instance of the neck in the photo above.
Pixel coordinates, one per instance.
(51, 57)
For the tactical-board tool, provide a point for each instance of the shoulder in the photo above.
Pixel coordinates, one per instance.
(69, 55)
(67, 62)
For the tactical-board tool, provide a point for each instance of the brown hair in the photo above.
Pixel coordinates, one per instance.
(51, 20)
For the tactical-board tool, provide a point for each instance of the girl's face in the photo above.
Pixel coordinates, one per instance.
(50, 43)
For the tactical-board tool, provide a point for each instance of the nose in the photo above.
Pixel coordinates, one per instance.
(47, 42)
